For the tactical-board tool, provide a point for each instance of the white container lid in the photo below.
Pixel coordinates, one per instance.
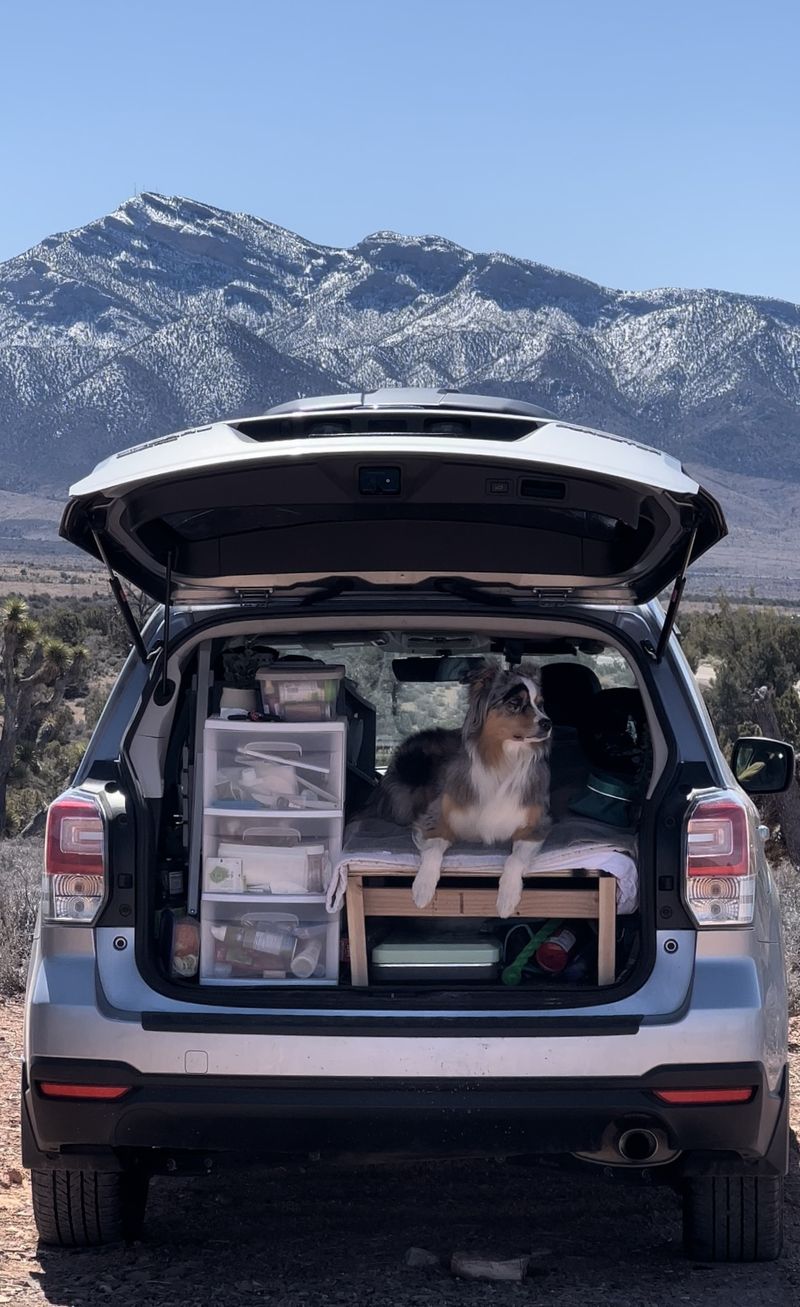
(300, 673)
(431, 953)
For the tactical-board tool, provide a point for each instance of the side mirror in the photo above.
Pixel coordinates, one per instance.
(762, 766)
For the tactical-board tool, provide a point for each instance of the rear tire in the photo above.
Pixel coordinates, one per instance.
(733, 1218)
(81, 1209)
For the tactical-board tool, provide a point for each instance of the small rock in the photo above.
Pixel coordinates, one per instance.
(421, 1257)
(15, 1176)
(484, 1268)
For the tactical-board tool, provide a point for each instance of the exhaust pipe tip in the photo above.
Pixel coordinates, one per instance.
(625, 1143)
(638, 1145)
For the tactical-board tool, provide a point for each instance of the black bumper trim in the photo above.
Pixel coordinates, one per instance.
(210, 1023)
(274, 1117)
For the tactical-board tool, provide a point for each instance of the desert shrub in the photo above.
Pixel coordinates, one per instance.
(49, 749)
(93, 705)
(788, 880)
(20, 882)
(749, 648)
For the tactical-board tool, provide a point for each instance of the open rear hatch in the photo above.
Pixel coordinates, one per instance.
(381, 495)
(290, 500)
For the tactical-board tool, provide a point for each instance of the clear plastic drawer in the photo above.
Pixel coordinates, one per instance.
(257, 944)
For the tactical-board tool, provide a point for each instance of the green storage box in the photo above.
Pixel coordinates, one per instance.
(398, 959)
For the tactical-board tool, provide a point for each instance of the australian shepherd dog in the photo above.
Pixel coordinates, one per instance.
(487, 783)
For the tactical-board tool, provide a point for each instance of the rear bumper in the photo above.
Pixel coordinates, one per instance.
(273, 1118)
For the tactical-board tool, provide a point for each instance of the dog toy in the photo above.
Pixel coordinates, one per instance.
(512, 974)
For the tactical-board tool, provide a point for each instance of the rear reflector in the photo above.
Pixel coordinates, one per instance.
(52, 1089)
(700, 1096)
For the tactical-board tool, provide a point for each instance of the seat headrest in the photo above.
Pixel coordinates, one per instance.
(567, 692)
(614, 733)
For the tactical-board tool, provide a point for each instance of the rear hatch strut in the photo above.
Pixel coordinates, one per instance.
(166, 687)
(121, 600)
(672, 608)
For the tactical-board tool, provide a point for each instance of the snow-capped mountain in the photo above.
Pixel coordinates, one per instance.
(167, 313)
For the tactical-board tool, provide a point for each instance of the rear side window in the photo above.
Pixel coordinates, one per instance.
(612, 670)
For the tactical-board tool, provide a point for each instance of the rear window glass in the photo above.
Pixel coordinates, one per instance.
(403, 707)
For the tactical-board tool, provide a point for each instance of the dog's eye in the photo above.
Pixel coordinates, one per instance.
(517, 704)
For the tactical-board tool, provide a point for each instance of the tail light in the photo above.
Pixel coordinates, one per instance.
(74, 859)
(720, 878)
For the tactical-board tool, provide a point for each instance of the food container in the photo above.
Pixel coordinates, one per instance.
(297, 694)
(398, 959)
(182, 942)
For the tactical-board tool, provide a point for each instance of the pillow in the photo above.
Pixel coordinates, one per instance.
(609, 799)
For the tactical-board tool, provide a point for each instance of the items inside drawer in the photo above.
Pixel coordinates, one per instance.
(252, 768)
(273, 856)
(289, 943)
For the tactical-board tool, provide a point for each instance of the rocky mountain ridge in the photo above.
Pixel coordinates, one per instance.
(168, 312)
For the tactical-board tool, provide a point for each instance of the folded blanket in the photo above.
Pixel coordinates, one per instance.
(573, 844)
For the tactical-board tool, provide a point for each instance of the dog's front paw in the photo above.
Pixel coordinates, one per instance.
(424, 887)
(509, 890)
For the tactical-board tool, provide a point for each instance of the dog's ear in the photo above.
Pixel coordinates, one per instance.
(480, 678)
(533, 674)
(480, 682)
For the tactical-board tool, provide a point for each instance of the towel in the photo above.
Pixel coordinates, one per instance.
(573, 844)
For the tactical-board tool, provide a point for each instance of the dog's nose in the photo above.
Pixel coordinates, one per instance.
(545, 723)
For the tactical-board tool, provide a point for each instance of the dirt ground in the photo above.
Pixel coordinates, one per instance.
(338, 1238)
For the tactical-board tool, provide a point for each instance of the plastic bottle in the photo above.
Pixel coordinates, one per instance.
(270, 941)
(306, 957)
(553, 954)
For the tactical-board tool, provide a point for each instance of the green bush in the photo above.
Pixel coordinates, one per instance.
(749, 648)
(20, 889)
(789, 886)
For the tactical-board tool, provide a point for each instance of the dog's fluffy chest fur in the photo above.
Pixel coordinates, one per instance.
(498, 805)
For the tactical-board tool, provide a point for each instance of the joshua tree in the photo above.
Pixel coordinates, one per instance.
(35, 671)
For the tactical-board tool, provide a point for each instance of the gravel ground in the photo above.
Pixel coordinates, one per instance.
(338, 1238)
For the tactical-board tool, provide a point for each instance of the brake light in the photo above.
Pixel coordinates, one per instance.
(74, 859)
(720, 862)
(107, 1093)
(701, 1096)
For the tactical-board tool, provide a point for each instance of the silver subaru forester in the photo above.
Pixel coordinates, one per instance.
(381, 544)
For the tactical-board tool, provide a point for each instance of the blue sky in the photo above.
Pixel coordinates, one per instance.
(636, 142)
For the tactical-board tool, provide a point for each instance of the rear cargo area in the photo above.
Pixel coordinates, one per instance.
(276, 868)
